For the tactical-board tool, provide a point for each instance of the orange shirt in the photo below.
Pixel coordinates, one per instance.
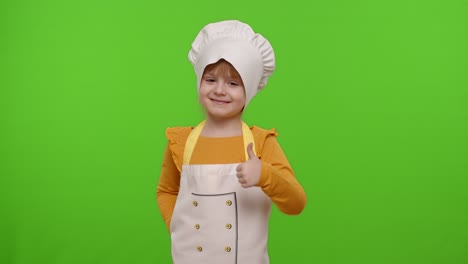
(277, 178)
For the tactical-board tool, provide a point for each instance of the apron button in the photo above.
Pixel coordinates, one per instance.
(197, 226)
(228, 202)
(199, 249)
(227, 249)
(228, 226)
(195, 203)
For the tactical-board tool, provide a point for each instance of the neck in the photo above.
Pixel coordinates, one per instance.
(222, 128)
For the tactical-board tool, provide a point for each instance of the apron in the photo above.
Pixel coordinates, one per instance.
(215, 219)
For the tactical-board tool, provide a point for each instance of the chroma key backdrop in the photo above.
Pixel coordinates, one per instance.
(369, 98)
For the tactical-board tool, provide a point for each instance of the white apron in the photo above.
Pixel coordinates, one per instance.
(215, 219)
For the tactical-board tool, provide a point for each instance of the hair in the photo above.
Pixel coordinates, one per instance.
(225, 68)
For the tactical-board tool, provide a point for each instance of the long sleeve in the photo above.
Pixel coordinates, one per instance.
(278, 181)
(168, 187)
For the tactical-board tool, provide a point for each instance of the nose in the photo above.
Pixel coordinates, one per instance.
(220, 88)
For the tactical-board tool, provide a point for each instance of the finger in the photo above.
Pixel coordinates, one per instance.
(239, 167)
(250, 151)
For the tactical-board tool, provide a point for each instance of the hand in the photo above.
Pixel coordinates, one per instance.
(248, 173)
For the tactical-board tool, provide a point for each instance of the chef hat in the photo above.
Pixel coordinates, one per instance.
(236, 42)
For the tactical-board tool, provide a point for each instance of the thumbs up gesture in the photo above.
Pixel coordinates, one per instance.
(248, 173)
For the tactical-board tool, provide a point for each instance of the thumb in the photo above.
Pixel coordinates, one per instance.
(250, 151)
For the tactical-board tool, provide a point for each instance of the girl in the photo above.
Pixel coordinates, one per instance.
(218, 179)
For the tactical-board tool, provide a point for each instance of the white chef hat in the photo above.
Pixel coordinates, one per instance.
(236, 42)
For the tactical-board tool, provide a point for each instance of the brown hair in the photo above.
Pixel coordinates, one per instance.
(224, 68)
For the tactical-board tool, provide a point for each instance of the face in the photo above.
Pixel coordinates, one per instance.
(223, 97)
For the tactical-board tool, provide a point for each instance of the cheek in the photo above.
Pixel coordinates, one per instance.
(241, 96)
(203, 91)
(203, 96)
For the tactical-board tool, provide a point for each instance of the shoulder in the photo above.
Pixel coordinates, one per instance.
(177, 136)
(264, 138)
(259, 132)
(179, 133)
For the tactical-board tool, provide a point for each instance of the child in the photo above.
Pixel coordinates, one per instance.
(218, 179)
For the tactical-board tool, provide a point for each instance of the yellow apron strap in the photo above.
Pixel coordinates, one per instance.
(195, 133)
(248, 138)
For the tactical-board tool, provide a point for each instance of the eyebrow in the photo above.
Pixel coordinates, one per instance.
(210, 74)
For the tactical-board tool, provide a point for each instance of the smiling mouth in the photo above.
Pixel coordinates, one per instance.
(219, 101)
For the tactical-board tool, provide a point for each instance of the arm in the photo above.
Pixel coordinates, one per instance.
(168, 187)
(278, 181)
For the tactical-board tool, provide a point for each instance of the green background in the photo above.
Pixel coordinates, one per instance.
(369, 99)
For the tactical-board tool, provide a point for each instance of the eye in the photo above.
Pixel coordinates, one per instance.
(232, 83)
(210, 80)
